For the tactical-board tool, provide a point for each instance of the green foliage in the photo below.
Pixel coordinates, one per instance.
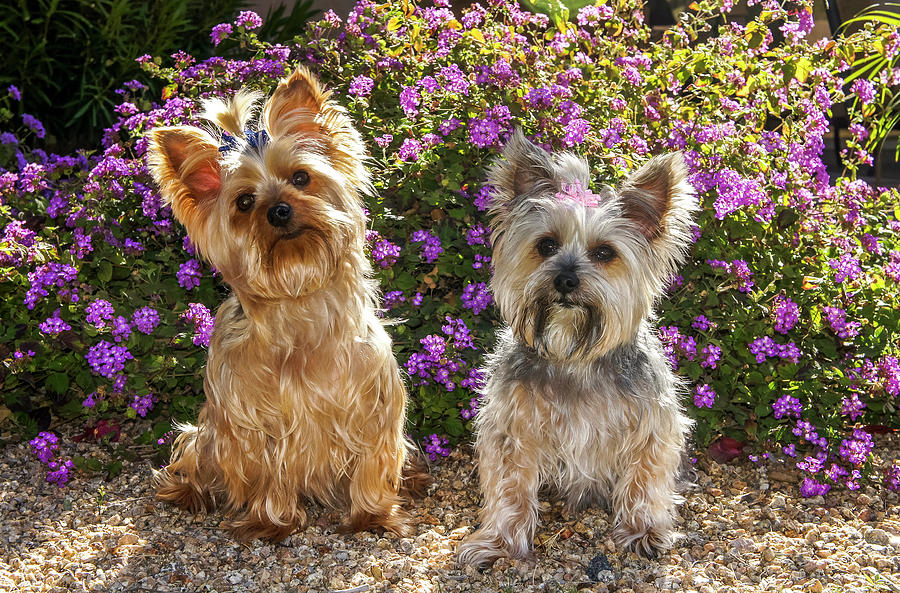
(881, 27)
(69, 56)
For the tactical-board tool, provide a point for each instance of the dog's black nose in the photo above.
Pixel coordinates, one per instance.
(566, 282)
(279, 214)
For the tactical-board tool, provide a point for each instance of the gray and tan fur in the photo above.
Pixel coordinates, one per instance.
(580, 395)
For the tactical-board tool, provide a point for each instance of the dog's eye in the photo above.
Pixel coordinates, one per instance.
(601, 254)
(300, 178)
(245, 202)
(547, 247)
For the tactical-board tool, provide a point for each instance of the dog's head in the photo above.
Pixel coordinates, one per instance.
(274, 209)
(575, 272)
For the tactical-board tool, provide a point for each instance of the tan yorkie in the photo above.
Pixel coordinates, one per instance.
(304, 398)
(580, 395)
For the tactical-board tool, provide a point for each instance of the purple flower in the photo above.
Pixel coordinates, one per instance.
(50, 274)
(409, 101)
(851, 406)
(858, 131)
(864, 89)
(459, 332)
(361, 86)
(811, 487)
(786, 313)
(14, 93)
(797, 30)
(476, 297)
(704, 396)
(594, 15)
(482, 199)
(145, 320)
(739, 269)
(807, 431)
(455, 81)
(393, 298)
(436, 446)
(43, 446)
(480, 261)
(892, 477)
(107, 360)
(477, 234)
(410, 149)
(475, 382)
(189, 274)
(892, 269)
(99, 312)
(448, 125)
(710, 356)
(486, 130)
(856, 450)
(248, 19)
(34, 125)
(431, 244)
(142, 404)
(576, 131)
(889, 372)
(384, 140)
(59, 472)
(787, 406)
(89, 401)
(220, 32)
(121, 329)
(766, 347)
(837, 319)
(203, 322)
(332, 18)
(54, 325)
(632, 75)
(472, 410)
(385, 253)
(700, 322)
(847, 267)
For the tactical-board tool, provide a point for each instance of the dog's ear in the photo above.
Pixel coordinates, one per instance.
(657, 197)
(184, 161)
(296, 104)
(301, 106)
(524, 170)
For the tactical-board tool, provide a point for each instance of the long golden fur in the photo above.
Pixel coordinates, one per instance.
(579, 394)
(304, 398)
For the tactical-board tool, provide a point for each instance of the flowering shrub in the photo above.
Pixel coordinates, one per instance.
(784, 320)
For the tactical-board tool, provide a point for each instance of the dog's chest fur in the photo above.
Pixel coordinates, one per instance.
(583, 413)
(293, 380)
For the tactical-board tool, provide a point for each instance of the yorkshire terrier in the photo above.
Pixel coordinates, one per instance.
(580, 395)
(304, 398)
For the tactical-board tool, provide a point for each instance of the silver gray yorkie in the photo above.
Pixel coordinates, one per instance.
(580, 395)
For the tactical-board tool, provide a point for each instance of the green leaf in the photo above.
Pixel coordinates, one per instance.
(104, 271)
(58, 383)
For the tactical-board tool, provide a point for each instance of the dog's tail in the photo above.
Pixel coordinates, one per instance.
(415, 478)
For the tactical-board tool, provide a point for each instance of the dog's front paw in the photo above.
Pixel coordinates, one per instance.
(649, 544)
(176, 489)
(481, 550)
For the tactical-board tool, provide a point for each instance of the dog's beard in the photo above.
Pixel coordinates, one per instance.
(559, 328)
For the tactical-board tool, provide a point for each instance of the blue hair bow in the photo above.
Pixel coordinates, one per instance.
(255, 139)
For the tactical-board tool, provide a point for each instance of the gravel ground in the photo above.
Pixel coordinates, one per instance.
(746, 529)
